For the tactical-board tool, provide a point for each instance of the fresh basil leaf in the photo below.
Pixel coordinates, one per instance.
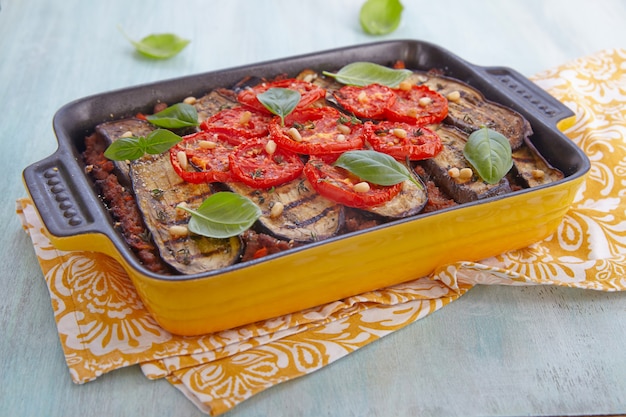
(380, 17)
(489, 152)
(160, 140)
(366, 73)
(222, 215)
(158, 46)
(375, 167)
(280, 101)
(176, 116)
(125, 149)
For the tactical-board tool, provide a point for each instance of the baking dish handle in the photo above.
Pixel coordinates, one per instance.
(530, 96)
(66, 202)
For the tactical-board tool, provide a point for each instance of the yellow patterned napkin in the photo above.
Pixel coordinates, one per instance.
(104, 326)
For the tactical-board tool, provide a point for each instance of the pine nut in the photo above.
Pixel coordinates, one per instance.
(207, 144)
(454, 172)
(178, 230)
(362, 97)
(399, 133)
(294, 134)
(340, 138)
(405, 85)
(182, 160)
(425, 101)
(277, 209)
(344, 129)
(454, 96)
(538, 174)
(270, 147)
(190, 100)
(466, 173)
(361, 187)
(245, 117)
(127, 134)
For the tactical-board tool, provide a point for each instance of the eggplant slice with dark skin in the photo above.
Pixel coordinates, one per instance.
(408, 202)
(305, 216)
(462, 190)
(530, 169)
(158, 191)
(469, 110)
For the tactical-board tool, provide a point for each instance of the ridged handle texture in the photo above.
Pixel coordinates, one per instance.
(60, 193)
(529, 95)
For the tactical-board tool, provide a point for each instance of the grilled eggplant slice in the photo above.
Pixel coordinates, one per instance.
(158, 190)
(470, 111)
(213, 102)
(531, 169)
(408, 202)
(306, 216)
(461, 190)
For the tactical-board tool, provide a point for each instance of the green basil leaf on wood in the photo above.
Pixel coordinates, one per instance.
(366, 73)
(158, 46)
(176, 116)
(222, 215)
(489, 153)
(380, 17)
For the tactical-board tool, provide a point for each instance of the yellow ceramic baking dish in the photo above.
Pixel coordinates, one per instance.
(329, 270)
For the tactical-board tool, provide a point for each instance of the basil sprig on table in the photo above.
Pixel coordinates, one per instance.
(489, 152)
(380, 17)
(375, 167)
(158, 46)
(366, 73)
(223, 215)
(130, 148)
(280, 101)
(176, 116)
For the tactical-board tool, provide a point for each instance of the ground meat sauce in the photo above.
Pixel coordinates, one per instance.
(258, 245)
(437, 199)
(121, 204)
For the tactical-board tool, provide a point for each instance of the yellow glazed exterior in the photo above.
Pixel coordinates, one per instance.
(343, 267)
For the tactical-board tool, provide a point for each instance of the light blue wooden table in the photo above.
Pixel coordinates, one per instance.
(498, 351)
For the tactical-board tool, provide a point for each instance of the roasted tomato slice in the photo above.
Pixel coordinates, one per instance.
(402, 140)
(202, 157)
(238, 123)
(309, 93)
(340, 186)
(317, 131)
(367, 102)
(259, 163)
(418, 105)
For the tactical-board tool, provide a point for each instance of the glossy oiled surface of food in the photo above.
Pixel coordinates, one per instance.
(496, 351)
